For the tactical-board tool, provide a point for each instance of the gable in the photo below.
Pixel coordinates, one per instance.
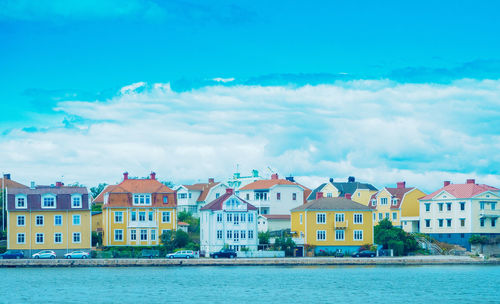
(488, 195)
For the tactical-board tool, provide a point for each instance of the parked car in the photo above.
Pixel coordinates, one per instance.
(364, 253)
(77, 255)
(44, 254)
(12, 254)
(224, 253)
(183, 254)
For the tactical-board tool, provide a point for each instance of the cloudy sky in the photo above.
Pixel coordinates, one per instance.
(383, 92)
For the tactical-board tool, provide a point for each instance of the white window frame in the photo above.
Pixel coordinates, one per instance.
(120, 214)
(55, 222)
(321, 218)
(169, 216)
(354, 235)
(141, 235)
(383, 201)
(24, 220)
(359, 215)
(219, 217)
(219, 234)
(343, 235)
(36, 238)
(43, 221)
(139, 216)
(25, 200)
(337, 215)
(79, 237)
(42, 203)
(24, 238)
(250, 234)
(133, 232)
(80, 198)
(152, 235)
(114, 235)
(136, 199)
(79, 219)
(55, 238)
(318, 234)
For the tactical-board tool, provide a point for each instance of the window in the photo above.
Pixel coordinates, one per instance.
(329, 194)
(250, 217)
(229, 234)
(219, 234)
(217, 195)
(142, 216)
(374, 202)
(383, 201)
(243, 234)
(236, 235)
(440, 222)
(133, 235)
(462, 222)
(39, 220)
(320, 235)
(153, 235)
(58, 220)
(20, 202)
(133, 216)
(150, 216)
(247, 196)
(165, 217)
(77, 237)
(76, 201)
(20, 220)
(236, 219)
(358, 218)
(229, 217)
(427, 223)
(144, 234)
(387, 215)
(39, 238)
(320, 218)
(394, 201)
(20, 238)
(481, 205)
(358, 235)
(300, 217)
(242, 217)
(261, 196)
(440, 206)
(394, 216)
(118, 217)
(493, 206)
(462, 206)
(118, 235)
(250, 234)
(278, 196)
(58, 238)
(49, 202)
(294, 196)
(448, 206)
(448, 222)
(182, 195)
(219, 217)
(76, 219)
(481, 222)
(339, 235)
(427, 207)
(380, 216)
(165, 198)
(493, 222)
(339, 217)
(374, 216)
(142, 199)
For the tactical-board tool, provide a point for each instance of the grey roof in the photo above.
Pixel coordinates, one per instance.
(350, 187)
(332, 203)
(313, 193)
(49, 189)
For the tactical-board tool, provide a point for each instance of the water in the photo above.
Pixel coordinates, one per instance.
(336, 284)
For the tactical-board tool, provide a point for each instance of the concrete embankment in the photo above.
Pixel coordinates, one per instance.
(317, 261)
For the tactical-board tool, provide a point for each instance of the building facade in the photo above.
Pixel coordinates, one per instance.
(332, 223)
(228, 221)
(191, 198)
(455, 212)
(49, 218)
(399, 205)
(137, 211)
(359, 192)
(237, 180)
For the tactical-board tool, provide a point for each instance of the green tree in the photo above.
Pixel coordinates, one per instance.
(264, 238)
(285, 244)
(394, 238)
(94, 191)
(181, 239)
(167, 240)
(478, 240)
(96, 238)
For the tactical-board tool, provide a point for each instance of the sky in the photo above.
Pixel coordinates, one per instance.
(384, 91)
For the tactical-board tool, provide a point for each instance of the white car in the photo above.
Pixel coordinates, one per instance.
(44, 254)
(77, 255)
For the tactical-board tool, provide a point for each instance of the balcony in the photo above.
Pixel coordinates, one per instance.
(341, 225)
(299, 240)
(142, 224)
(489, 213)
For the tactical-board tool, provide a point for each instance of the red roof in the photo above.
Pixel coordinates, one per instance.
(217, 203)
(269, 183)
(182, 224)
(203, 187)
(100, 197)
(462, 190)
(398, 193)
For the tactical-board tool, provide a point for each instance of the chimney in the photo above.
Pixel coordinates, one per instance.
(32, 186)
(401, 185)
(125, 175)
(6, 176)
(211, 180)
(471, 181)
(446, 183)
(274, 176)
(229, 191)
(348, 196)
(331, 179)
(351, 179)
(319, 195)
(152, 176)
(59, 184)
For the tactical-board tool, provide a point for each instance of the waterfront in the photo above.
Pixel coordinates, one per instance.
(235, 284)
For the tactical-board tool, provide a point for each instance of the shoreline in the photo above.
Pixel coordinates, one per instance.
(312, 261)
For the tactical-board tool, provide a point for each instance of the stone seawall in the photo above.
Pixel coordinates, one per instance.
(317, 261)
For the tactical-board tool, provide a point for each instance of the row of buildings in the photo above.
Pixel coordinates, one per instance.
(334, 215)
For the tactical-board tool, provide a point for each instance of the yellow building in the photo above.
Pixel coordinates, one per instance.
(360, 192)
(49, 218)
(332, 223)
(137, 211)
(399, 205)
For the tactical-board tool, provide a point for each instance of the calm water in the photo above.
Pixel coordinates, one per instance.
(339, 284)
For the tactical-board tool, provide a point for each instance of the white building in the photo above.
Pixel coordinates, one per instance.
(455, 212)
(274, 196)
(273, 222)
(192, 198)
(238, 181)
(228, 221)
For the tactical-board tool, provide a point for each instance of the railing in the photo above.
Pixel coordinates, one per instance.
(299, 240)
(426, 244)
(341, 225)
(489, 213)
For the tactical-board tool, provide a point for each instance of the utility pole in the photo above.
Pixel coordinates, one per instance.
(3, 202)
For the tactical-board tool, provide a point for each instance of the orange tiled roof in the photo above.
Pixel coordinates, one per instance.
(100, 198)
(141, 186)
(268, 183)
(121, 195)
(8, 183)
(203, 187)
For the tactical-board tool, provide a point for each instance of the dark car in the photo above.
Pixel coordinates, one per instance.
(364, 254)
(224, 253)
(12, 254)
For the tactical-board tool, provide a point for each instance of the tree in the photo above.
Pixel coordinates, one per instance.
(167, 240)
(394, 238)
(181, 239)
(95, 191)
(286, 244)
(478, 240)
(264, 238)
(96, 238)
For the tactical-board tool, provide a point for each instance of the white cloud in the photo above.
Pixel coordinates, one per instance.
(379, 131)
(224, 80)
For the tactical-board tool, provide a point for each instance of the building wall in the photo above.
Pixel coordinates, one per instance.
(410, 206)
(281, 206)
(298, 225)
(97, 222)
(363, 196)
(330, 190)
(488, 213)
(386, 209)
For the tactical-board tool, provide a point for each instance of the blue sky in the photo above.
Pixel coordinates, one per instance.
(382, 90)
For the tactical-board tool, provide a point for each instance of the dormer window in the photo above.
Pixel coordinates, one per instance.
(374, 202)
(142, 199)
(48, 201)
(76, 201)
(394, 201)
(21, 201)
(165, 199)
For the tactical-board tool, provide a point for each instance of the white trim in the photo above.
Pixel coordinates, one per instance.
(354, 218)
(115, 213)
(55, 238)
(317, 232)
(73, 219)
(77, 195)
(354, 235)
(36, 238)
(114, 235)
(17, 238)
(48, 195)
(73, 237)
(25, 197)
(36, 220)
(343, 235)
(145, 196)
(55, 215)
(317, 217)
(24, 220)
